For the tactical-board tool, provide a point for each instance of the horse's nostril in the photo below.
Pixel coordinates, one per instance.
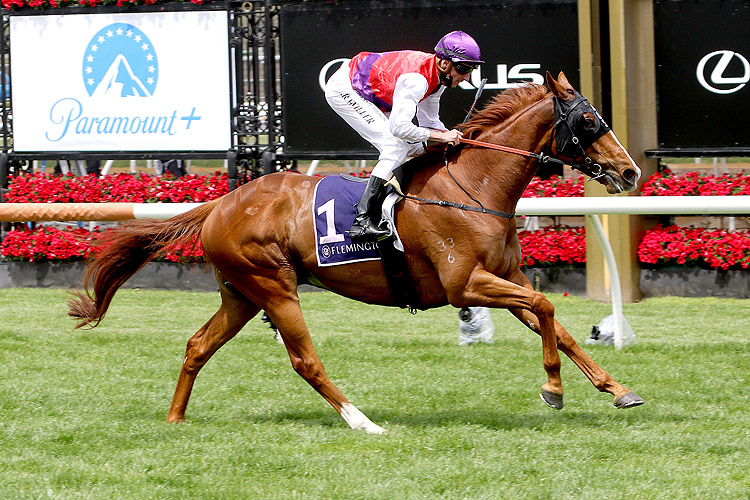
(629, 174)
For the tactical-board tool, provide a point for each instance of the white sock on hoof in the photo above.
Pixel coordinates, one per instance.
(357, 420)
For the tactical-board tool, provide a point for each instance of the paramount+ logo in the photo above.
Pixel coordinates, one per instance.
(723, 71)
(120, 61)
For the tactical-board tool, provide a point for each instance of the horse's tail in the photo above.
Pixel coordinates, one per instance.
(126, 250)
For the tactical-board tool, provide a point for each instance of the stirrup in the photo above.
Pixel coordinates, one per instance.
(366, 230)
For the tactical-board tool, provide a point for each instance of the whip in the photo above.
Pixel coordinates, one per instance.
(476, 98)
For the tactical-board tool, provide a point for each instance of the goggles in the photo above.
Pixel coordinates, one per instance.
(463, 68)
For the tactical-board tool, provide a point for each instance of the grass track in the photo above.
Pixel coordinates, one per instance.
(82, 412)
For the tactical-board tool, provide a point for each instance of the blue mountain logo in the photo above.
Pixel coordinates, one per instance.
(120, 61)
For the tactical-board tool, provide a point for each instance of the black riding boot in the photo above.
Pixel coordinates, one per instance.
(365, 225)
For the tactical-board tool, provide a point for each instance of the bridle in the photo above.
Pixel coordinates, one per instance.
(571, 139)
(569, 144)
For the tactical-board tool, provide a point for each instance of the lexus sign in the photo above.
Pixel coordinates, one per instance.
(715, 79)
(701, 50)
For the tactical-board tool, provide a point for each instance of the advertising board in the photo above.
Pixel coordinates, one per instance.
(702, 49)
(520, 41)
(148, 81)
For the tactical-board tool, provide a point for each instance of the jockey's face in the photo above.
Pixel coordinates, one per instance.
(458, 77)
(449, 76)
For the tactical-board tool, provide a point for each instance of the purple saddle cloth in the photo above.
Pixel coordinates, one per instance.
(333, 213)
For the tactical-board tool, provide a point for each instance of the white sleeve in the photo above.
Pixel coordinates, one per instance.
(410, 89)
(428, 111)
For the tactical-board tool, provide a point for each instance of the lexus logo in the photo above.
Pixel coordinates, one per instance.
(717, 81)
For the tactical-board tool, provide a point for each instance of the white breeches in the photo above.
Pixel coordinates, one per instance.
(370, 122)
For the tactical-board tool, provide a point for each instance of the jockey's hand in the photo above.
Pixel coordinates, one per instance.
(451, 137)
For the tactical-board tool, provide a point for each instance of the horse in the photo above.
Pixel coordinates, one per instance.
(260, 240)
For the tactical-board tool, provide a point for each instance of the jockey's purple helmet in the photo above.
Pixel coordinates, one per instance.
(457, 46)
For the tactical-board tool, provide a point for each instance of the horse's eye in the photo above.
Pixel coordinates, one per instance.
(588, 122)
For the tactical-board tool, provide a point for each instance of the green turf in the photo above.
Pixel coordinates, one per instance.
(82, 413)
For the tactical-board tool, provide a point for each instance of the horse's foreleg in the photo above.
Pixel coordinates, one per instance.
(484, 288)
(235, 311)
(287, 316)
(623, 397)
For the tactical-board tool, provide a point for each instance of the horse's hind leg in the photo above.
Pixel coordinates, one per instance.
(624, 398)
(235, 311)
(287, 316)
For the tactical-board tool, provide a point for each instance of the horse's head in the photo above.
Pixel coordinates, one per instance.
(583, 139)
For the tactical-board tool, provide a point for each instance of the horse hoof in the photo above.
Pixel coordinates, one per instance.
(628, 400)
(375, 429)
(552, 400)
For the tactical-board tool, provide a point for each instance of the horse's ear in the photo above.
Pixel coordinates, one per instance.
(555, 86)
(564, 81)
(560, 87)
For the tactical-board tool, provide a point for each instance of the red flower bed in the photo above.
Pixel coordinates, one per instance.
(555, 187)
(51, 244)
(695, 247)
(548, 247)
(667, 183)
(664, 183)
(47, 244)
(142, 188)
(553, 246)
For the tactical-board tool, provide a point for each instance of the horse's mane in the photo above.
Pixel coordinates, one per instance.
(502, 107)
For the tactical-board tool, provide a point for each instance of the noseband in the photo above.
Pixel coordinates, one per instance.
(571, 138)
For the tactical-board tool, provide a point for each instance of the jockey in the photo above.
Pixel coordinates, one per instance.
(379, 94)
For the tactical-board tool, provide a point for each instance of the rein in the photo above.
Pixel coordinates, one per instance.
(481, 208)
(507, 149)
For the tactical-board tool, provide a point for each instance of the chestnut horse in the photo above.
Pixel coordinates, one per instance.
(260, 240)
